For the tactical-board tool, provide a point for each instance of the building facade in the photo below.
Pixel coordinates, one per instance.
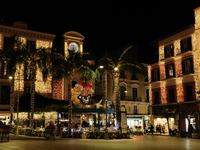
(22, 82)
(134, 95)
(174, 80)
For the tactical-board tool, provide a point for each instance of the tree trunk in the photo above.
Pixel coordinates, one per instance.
(12, 96)
(103, 87)
(70, 101)
(117, 99)
(32, 100)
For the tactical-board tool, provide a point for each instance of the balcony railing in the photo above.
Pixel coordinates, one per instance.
(129, 98)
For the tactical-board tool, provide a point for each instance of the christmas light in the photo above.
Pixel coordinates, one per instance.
(161, 52)
(162, 70)
(163, 93)
(58, 89)
(177, 47)
(0, 41)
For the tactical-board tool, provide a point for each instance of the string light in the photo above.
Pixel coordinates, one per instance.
(163, 92)
(162, 71)
(161, 52)
(1, 41)
(58, 89)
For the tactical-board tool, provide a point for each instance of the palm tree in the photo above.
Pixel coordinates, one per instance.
(11, 57)
(49, 62)
(76, 62)
(114, 63)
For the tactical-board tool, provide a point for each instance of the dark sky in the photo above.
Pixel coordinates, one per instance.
(106, 25)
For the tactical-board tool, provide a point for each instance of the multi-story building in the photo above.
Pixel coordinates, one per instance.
(174, 80)
(31, 39)
(134, 95)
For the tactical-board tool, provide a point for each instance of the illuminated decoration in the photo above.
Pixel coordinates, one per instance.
(66, 49)
(19, 79)
(43, 44)
(1, 41)
(197, 18)
(81, 95)
(178, 67)
(163, 93)
(40, 85)
(58, 89)
(162, 71)
(150, 94)
(149, 73)
(161, 52)
(37, 116)
(81, 49)
(23, 40)
(179, 89)
(196, 51)
(177, 47)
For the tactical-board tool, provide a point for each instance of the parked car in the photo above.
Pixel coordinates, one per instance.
(138, 130)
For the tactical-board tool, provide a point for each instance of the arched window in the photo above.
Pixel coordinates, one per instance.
(122, 92)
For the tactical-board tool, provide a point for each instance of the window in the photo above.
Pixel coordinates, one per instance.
(156, 97)
(135, 109)
(31, 45)
(189, 93)
(122, 74)
(171, 96)
(169, 51)
(27, 73)
(134, 91)
(4, 70)
(5, 94)
(148, 109)
(170, 71)
(147, 95)
(186, 45)
(122, 92)
(187, 66)
(134, 77)
(8, 44)
(27, 90)
(155, 75)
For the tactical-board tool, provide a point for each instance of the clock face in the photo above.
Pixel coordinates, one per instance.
(73, 47)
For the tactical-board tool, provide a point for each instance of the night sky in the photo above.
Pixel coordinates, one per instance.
(106, 25)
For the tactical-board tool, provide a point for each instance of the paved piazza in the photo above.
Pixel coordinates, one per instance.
(145, 142)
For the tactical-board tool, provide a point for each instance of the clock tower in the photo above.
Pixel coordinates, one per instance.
(73, 41)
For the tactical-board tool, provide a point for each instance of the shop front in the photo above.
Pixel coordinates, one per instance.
(138, 120)
(162, 122)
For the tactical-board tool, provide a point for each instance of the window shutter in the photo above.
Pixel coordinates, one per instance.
(189, 45)
(183, 67)
(167, 72)
(165, 50)
(182, 47)
(191, 66)
(172, 49)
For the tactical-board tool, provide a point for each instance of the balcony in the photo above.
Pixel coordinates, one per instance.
(129, 98)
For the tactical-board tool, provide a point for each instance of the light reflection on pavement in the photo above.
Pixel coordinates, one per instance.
(147, 142)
